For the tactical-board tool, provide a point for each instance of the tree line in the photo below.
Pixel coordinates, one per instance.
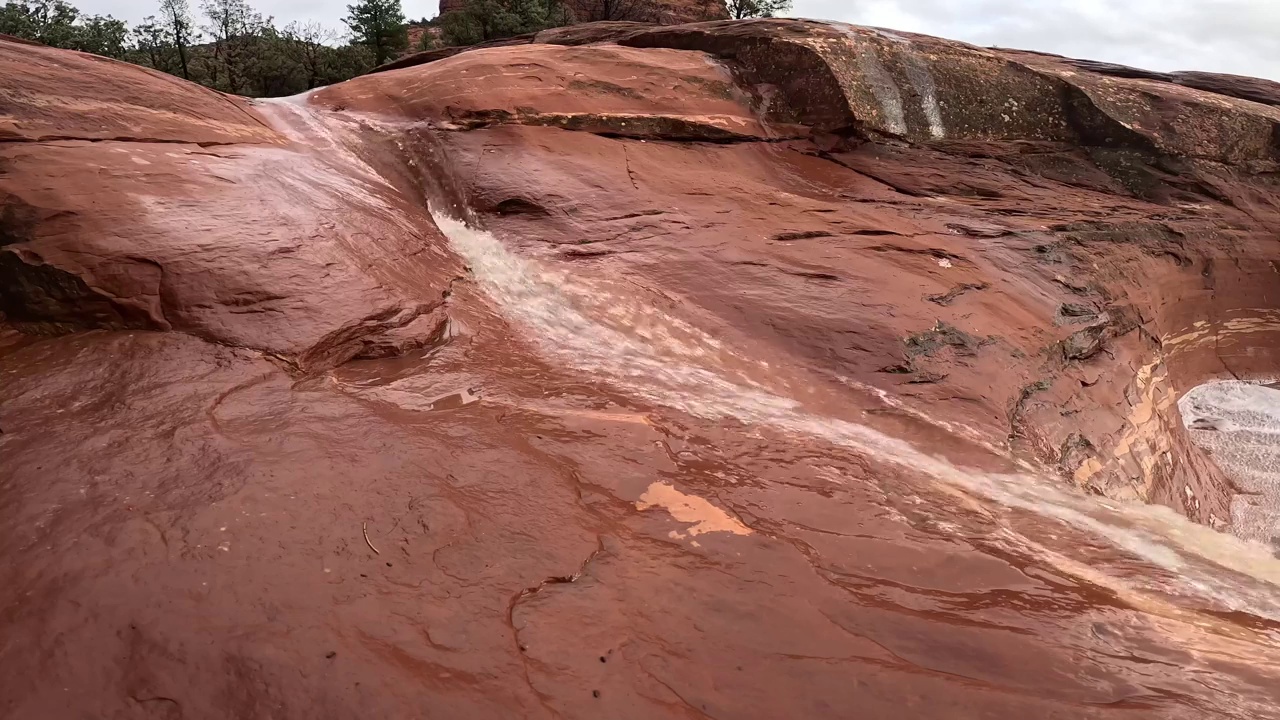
(230, 46)
(484, 20)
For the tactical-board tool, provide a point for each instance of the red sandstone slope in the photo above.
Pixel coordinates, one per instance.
(774, 389)
(1040, 195)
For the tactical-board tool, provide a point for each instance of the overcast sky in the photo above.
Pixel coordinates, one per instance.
(1235, 36)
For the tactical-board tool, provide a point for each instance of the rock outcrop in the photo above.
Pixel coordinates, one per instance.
(1095, 179)
(279, 251)
(756, 369)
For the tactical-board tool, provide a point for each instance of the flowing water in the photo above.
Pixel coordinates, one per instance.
(1201, 580)
(578, 500)
(665, 361)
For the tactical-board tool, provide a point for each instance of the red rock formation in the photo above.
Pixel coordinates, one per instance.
(81, 252)
(1090, 136)
(761, 393)
(417, 32)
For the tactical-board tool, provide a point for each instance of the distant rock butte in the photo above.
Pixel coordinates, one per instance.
(276, 444)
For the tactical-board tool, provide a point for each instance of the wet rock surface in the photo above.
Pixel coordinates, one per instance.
(1236, 424)
(732, 370)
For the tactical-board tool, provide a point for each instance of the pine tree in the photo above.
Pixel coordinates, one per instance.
(378, 25)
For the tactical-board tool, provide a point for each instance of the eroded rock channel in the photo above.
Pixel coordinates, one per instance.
(732, 370)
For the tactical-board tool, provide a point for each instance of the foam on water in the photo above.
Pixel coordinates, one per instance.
(663, 365)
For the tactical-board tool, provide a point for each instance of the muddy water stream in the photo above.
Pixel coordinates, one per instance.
(1193, 583)
(577, 503)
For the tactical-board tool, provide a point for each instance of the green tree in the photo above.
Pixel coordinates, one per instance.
(307, 46)
(272, 70)
(347, 62)
(51, 22)
(484, 20)
(151, 45)
(59, 24)
(741, 9)
(379, 26)
(102, 35)
(15, 21)
(175, 19)
(248, 55)
(234, 26)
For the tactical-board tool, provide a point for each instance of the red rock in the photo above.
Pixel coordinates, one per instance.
(775, 391)
(256, 245)
(77, 96)
(1245, 88)
(417, 32)
(622, 91)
